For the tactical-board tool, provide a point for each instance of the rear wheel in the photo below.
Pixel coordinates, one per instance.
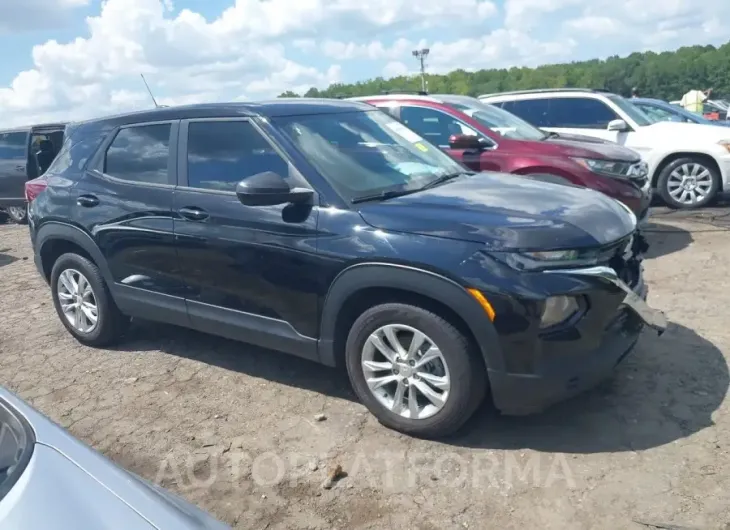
(17, 214)
(413, 370)
(688, 183)
(83, 302)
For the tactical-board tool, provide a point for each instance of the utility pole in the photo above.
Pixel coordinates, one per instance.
(421, 55)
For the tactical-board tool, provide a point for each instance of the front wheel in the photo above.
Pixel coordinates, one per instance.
(414, 371)
(17, 214)
(688, 183)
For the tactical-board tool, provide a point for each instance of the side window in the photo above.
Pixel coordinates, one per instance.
(580, 113)
(12, 145)
(222, 153)
(533, 111)
(434, 125)
(389, 109)
(140, 154)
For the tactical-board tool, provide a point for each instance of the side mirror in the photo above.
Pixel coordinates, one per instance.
(466, 141)
(269, 189)
(618, 126)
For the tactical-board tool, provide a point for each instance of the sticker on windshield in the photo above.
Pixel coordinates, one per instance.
(421, 147)
(404, 132)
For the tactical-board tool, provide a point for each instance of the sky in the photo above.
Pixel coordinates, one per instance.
(76, 59)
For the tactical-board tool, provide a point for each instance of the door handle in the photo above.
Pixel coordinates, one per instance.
(192, 213)
(87, 201)
(20, 168)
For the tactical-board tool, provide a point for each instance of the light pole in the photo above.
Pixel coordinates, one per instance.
(421, 56)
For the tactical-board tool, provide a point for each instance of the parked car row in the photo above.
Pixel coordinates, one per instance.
(688, 163)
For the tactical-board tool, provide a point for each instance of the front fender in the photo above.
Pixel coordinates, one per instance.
(405, 278)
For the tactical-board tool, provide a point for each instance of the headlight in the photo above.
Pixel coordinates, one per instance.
(725, 144)
(558, 309)
(611, 168)
(550, 259)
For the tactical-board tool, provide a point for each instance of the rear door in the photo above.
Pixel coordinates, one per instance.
(438, 126)
(13, 160)
(124, 201)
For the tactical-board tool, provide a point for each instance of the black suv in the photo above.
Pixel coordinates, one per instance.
(25, 153)
(328, 230)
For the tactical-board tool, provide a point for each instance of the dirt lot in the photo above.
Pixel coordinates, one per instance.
(234, 429)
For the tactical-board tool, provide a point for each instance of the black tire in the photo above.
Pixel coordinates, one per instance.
(663, 183)
(18, 215)
(111, 323)
(468, 377)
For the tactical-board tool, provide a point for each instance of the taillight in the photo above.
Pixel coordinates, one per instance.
(34, 187)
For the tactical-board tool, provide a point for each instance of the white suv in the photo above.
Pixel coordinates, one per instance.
(689, 163)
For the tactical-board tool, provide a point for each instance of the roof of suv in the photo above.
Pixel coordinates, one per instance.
(546, 92)
(269, 109)
(430, 98)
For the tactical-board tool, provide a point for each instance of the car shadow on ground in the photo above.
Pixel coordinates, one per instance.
(666, 390)
(665, 239)
(6, 259)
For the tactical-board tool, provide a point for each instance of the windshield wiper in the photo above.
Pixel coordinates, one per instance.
(383, 195)
(444, 178)
(550, 134)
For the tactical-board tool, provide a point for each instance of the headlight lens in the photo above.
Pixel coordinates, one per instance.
(725, 144)
(558, 309)
(610, 168)
(549, 259)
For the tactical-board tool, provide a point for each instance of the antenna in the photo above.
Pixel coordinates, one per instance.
(150, 91)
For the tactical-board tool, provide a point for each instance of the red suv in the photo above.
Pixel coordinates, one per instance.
(487, 138)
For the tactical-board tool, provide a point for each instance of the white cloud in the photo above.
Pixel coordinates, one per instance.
(256, 48)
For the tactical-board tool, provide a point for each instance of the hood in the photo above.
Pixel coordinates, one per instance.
(689, 132)
(150, 505)
(506, 212)
(575, 148)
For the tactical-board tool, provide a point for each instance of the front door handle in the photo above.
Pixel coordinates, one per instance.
(194, 214)
(87, 201)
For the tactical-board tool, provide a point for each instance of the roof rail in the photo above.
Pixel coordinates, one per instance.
(546, 90)
(414, 92)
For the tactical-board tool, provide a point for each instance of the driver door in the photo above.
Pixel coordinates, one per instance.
(250, 272)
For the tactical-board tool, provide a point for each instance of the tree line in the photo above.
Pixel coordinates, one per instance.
(665, 75)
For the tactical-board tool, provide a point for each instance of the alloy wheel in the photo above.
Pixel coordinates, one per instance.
(17, 213)
(77, 300)
(689, 183)
(405, 371)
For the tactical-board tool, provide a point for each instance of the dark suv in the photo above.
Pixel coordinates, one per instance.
(25, 153)
(326, 230)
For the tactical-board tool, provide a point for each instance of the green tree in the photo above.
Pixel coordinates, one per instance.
(665, 75)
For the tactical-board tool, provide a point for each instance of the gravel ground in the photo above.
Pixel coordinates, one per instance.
(251, 435)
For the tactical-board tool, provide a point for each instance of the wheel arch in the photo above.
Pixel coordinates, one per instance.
(364, 285)
(54, 239)
(671, 157)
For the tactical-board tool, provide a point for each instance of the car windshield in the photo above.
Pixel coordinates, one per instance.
(16, 445)
(367, 152)
(499, 120)
(641, 119)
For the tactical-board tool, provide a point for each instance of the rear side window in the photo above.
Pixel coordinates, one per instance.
(223, 153)
(533, 111)
(140, 154)
(12, 145)
(579, 113)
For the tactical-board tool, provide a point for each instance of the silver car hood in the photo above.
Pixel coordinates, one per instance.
(67, 484)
